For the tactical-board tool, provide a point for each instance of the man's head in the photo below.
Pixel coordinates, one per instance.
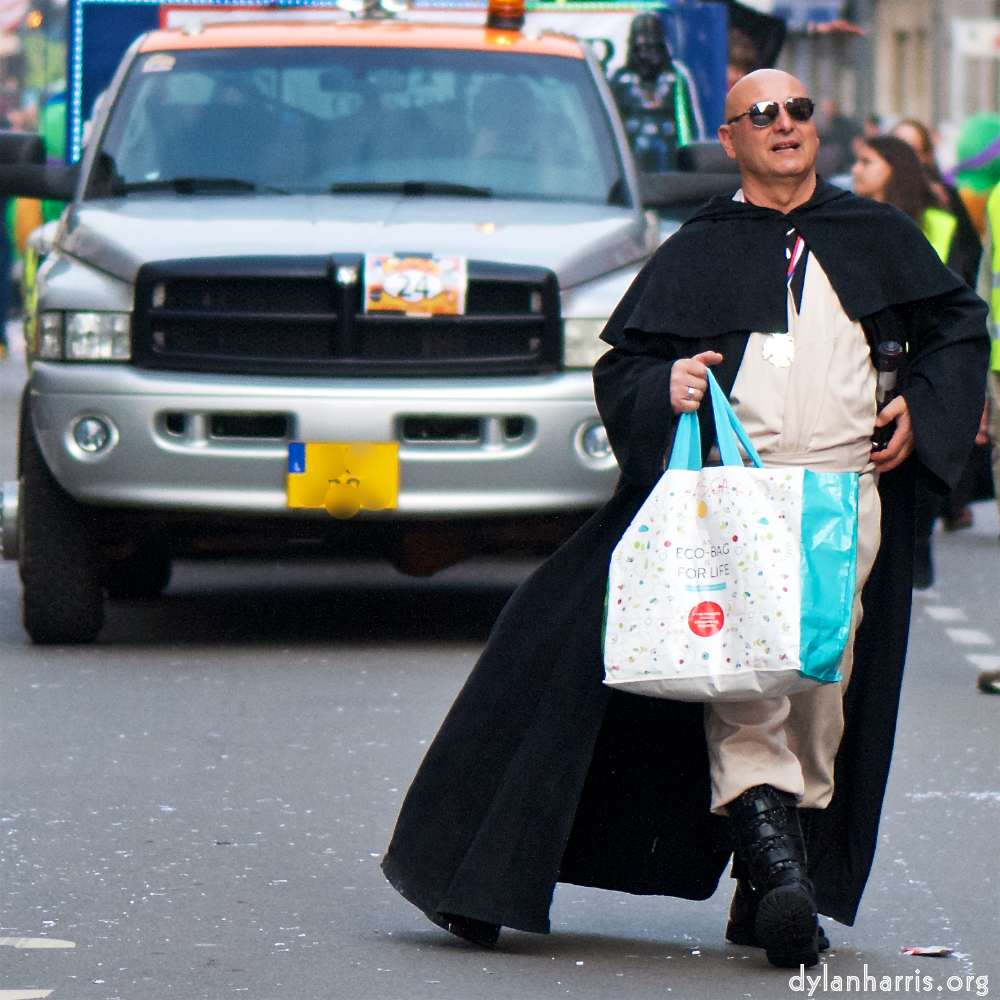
(647, 47)
(780, 151)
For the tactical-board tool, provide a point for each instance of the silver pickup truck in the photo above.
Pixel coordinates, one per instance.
(207, 306)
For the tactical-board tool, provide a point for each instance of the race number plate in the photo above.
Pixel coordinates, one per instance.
(415, 286)
(343, 478)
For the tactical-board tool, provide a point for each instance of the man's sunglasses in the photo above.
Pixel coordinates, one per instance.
(765, 113)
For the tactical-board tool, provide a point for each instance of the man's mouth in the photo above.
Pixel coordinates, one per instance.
(780, 147)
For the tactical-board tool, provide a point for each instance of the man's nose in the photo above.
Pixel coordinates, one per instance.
(784, 122)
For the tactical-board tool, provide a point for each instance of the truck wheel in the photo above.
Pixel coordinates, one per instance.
(141, 577)
(61, 584)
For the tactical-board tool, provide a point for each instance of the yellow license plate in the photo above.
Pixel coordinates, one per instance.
(343, 478)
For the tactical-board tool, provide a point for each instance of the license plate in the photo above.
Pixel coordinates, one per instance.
(415, 286)
(343, 478)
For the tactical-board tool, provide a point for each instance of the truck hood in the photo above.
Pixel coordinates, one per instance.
(577, 241)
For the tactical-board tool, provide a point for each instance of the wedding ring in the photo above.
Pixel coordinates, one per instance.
(690, 392)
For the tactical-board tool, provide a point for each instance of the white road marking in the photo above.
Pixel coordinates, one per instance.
(975, 796)
(36, 943)
(946, 614)
(23, 994)
(983, 662)
(969, 637)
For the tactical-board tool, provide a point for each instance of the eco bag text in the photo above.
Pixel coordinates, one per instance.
(732, 582)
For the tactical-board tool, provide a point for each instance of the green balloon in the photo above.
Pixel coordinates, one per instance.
(974, 136)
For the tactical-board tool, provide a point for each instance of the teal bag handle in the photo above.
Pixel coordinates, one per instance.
(686, 452)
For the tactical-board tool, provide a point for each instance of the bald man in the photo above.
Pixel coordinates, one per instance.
(540, 773)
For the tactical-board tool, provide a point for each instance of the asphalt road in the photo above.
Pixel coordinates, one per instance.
(198, 803)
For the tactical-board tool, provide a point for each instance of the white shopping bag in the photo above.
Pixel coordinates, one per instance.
(732, 583)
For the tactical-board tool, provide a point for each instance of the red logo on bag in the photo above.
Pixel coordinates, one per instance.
(706, 619)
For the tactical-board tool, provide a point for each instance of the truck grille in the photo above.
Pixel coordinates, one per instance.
(291, 316)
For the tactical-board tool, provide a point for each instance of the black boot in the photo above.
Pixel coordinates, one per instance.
(769, 841)
(742, 926)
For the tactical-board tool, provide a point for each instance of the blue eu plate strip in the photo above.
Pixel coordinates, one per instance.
(296, 456)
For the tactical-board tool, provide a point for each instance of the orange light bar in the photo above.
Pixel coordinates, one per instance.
(505, 15)
(358, 34)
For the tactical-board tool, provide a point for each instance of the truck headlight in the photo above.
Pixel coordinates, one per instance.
(98, 336)
(582, 345)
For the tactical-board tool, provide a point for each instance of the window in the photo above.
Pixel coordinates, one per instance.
(301, 120)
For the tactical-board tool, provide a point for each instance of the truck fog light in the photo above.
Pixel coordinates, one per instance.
(595, 442)
(98, 336)
(91, 435)
(592, 445)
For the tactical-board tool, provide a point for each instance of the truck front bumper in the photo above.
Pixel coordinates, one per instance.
(172, 444)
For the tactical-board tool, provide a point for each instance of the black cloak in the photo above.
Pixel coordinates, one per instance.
(540, 773)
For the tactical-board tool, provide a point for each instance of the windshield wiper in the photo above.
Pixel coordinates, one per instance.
(414, 188)
(188, 185)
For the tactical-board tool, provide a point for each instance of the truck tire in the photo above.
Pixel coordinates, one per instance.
(141, 577)
(60, 576)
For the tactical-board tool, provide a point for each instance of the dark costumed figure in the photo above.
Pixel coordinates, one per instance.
(540, 773)
(655, 98)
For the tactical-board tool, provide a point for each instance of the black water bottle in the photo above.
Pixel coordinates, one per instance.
(890, 358)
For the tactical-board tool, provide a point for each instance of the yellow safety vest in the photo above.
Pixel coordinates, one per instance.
(939, 227)
(993, 214)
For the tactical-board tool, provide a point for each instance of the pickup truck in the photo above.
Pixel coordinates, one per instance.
(262, 220)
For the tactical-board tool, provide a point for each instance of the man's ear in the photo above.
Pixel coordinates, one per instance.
(727, 141)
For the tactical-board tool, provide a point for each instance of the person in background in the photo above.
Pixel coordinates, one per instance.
(654, 98)
(958, 514)
(6, 260)
(871, 126)
(989, 289)
(9, 102)
(890, 171)
(754, 40)
(840, 131)
(968, 245)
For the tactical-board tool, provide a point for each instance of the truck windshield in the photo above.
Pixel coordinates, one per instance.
(506, 125)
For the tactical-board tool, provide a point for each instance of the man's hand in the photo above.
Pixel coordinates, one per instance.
(901, 443)
(690, 373)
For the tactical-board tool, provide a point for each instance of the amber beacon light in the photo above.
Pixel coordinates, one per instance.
(505, 15)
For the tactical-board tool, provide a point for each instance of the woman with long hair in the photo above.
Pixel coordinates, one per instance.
(889, 170)
(968, 244)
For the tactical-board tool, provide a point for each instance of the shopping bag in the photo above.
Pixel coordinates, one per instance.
(732, 582)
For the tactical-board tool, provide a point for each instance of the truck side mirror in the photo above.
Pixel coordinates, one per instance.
(678, 188)
(33, 180)
(21, 147)
(703, 171)
(706, 156)
(24, 173)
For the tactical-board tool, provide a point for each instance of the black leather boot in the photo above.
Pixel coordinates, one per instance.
(769, 841)
(742, 926)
